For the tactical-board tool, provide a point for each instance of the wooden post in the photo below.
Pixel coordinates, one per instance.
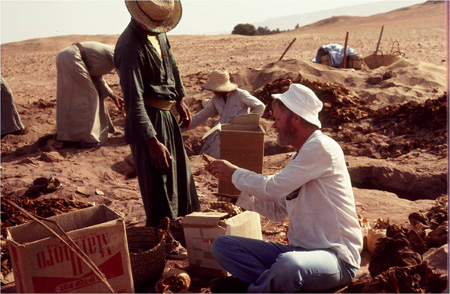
(287, 49)
(379, 39)
(344, 63)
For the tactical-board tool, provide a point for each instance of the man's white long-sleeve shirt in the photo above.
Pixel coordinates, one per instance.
(315, 192)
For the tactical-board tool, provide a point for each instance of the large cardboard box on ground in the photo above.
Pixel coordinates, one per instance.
(44, 264)
(242, 144)
(202, 228)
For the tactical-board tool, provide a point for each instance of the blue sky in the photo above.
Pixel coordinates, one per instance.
(22, 20)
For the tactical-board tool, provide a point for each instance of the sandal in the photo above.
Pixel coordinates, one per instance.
(85, 145)
(174, 250)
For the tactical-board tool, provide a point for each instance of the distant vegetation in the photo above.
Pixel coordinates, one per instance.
(250, 30)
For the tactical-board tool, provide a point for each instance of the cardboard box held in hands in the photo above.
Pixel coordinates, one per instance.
(242, 144)
(44, 264)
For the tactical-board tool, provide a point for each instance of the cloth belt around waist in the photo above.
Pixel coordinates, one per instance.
(159, 103)
(82, 51)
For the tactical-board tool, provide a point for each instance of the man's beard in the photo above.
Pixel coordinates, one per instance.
(285, 138)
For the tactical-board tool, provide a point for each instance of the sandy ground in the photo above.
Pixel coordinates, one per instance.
(393, 135)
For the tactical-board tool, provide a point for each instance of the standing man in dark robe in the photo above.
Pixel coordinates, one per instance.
(151, 86)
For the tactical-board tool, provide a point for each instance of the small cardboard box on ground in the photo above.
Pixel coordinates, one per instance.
(202, 228)
(44, 264)
(242, 144)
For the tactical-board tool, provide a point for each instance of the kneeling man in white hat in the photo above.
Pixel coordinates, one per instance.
(314, 191)
(228, 101)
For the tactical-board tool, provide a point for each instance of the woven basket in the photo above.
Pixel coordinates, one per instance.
(147, 253)
(377, 60)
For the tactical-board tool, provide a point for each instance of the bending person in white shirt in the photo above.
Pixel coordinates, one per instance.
(314, 191)
(228, 101)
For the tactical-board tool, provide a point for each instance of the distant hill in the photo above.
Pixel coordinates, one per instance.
(291, 21)
(430, 14)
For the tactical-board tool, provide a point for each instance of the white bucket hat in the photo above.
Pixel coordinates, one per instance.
(219, 81)
(302, 101)
(158, 16)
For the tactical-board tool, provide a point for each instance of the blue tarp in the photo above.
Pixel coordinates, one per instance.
(336, 53)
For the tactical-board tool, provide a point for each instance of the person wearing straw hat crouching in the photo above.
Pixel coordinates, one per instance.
(228, 101)
(151, 86)
(314, 191)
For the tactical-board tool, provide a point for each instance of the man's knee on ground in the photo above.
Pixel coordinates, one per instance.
(292, 268)
(283, 276)
(220, 243)
(302, 275)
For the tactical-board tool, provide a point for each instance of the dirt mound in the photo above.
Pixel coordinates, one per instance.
(412, 126)
(351, 122)
(397, 129)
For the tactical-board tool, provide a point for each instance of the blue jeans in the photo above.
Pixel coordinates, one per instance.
(272, 267)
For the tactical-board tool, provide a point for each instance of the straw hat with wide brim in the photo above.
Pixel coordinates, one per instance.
(158, 16)
(219, 81)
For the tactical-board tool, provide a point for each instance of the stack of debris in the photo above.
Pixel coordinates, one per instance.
(339, 106)
(397, 266)
(226, 203)
(418, 125)
(277, 86)
(406, 127)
